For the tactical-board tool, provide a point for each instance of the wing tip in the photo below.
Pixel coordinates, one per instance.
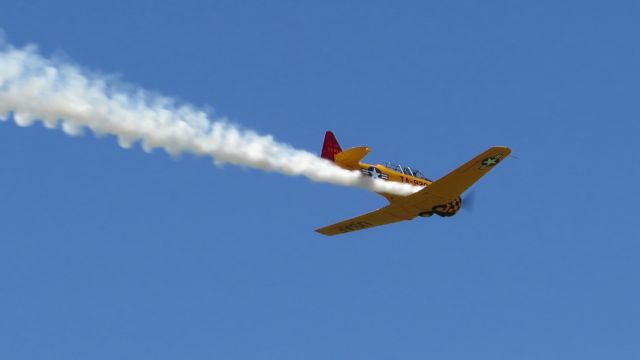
(326, 231)
(503, 148)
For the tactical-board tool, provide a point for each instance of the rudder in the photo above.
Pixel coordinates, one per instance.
(330, 147)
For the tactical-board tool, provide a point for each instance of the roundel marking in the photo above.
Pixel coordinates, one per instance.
(375, 173)
(490, 161)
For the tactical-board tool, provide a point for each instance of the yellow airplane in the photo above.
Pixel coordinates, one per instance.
(441, 197)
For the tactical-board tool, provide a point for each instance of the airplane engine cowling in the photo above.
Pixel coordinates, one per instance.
(448, 209)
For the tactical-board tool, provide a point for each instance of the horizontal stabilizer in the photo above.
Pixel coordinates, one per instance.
(351, 158)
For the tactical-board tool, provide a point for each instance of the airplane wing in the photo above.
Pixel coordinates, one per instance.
(446, 189)
(375, 218)
(459, 180)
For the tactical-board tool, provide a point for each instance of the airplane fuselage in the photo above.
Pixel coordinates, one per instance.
(384, 173)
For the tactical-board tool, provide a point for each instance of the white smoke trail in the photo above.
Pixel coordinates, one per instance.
(34, 88)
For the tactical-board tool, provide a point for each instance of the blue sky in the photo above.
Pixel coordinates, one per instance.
(110, 253)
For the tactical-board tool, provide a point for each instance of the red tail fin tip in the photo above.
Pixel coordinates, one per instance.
(330, 147)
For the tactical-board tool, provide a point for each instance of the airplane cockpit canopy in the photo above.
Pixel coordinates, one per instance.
(407, 170)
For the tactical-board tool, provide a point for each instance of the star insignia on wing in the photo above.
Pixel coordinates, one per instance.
(490, 161)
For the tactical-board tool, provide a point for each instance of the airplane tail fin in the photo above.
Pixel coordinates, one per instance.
(330, 147)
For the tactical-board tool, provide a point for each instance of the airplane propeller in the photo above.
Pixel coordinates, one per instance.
(469, 201)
